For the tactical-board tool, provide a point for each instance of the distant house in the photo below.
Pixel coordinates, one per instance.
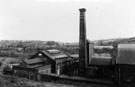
(50, 61)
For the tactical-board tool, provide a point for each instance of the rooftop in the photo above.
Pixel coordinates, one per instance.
(53, 51)
(32, 61)
(102, 47)
(55, 54)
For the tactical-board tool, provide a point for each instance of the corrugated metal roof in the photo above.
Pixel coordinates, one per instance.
(126, 54)
(47, 54)
(32, 61)
(43, 67)
(55, 55)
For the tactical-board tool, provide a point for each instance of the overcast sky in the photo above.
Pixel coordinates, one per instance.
(58, 20)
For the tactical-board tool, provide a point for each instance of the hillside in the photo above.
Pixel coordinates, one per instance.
(115, 41)
(37, 44)
(33, 44)
(24, 49)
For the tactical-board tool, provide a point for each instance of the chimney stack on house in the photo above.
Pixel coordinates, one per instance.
(82, 42)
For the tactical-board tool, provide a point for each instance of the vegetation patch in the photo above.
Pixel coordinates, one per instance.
(12, 81)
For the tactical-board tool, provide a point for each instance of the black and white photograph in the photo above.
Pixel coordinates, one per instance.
(67, 43)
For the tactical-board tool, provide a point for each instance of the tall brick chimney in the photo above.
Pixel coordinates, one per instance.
(82, 42)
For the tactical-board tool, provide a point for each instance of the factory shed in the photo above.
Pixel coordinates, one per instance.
(61, 59)
(40, 61)
(126, 54)
(101, 59)
(49, 61)
(99, 55)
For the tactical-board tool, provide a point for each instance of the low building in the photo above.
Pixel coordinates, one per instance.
(60, 59)
(39, 61)
(50, 61)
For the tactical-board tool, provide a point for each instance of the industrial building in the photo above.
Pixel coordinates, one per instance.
(113, 62)
(50, 61)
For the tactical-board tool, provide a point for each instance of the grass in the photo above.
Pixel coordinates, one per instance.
(12, 81)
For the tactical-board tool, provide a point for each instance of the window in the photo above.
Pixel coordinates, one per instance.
(40, 54)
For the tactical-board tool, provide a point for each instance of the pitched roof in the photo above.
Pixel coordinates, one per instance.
(36, 65)
(60, 56)
(43, 67)
(51, 54)
(53, 51)
(74, 55)
(55, 55)
(47, 54)
(32, 61)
